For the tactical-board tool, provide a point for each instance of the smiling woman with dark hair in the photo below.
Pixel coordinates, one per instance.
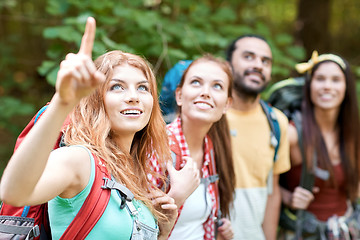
(331, 135)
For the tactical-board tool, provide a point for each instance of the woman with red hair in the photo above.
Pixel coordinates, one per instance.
(115, 121)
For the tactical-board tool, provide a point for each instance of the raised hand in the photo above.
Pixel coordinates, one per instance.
(183, 182)
(78, 76)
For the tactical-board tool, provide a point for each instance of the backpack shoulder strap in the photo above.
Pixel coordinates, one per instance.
(29, 126)
(214, 177)
(274, 138)
(274, 126)
(307, 179)
(93, 207)
(176, 155)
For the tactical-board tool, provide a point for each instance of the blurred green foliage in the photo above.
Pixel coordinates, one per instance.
(162, 33)
(35, 35)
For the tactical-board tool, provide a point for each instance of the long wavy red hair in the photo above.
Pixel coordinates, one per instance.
(90, 126)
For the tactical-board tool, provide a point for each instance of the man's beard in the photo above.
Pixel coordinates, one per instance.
(243, 90)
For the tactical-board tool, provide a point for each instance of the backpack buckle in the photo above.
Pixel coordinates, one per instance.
(112, 184)
(273, 141)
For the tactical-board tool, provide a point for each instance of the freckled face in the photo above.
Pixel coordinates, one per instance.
(328, 86)
(128, 100)
(204, 94)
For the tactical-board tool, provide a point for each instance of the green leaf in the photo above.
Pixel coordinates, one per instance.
(104, 4)
(146, 20)
(263, 30)
(46, 67)
(233, 31)
(66, 33)
(281, 71)
(175, 29)
(99, 48)
(216, 40)
(52, 75)
(222, 15)
(116, 46)
(10, 107)
(57, 7)
(80, 19)
(123, 12)
(177, 53)
(55, 51)
(357, 72)
(283, 39)
(108, 20)
(8, 4)
(296, 52)
(285, 61)
(187, 42)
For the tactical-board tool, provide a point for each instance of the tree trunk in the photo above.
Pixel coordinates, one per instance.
(312, 27)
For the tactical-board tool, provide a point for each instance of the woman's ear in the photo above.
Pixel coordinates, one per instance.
(178, 96)
(228, 105)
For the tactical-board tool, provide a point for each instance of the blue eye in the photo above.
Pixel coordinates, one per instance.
(195, 82)
(117, 87)
(218, 86)
(143, 88)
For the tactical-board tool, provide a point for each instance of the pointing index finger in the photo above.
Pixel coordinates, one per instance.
(87, 41)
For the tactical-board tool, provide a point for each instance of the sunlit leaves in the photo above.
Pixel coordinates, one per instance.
(174, 29)
(66, 33)
(223, 15)
(49, 69)
(11, 107)
(57, 7)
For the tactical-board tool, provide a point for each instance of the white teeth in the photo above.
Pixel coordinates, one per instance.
(131, 112)
(203, 104)
(326, 96)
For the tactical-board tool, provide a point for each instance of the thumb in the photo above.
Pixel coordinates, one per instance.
(316, 189)
(188, 161)
(170, 168)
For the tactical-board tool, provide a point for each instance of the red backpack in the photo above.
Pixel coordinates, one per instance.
(32, 222)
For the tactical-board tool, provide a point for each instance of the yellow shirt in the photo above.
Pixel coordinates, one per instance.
(253, 157)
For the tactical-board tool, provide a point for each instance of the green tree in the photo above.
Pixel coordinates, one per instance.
(35, 36)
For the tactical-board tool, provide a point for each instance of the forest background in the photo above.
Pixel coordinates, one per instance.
(35, 36)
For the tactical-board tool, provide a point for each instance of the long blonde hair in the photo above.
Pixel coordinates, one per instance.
(90, 126)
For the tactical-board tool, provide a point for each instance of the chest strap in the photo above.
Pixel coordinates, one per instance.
(210, 179)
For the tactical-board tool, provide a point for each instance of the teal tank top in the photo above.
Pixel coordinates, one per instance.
(115, 223)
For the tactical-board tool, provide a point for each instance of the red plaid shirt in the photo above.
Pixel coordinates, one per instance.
(177, 139)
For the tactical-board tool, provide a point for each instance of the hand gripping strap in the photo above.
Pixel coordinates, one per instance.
(92, 209)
